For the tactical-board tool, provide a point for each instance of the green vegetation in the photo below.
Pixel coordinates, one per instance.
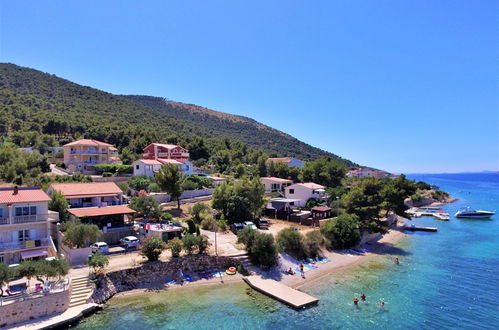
(98, 262)
(78, 235)
(42, 270)
(115, 169)
(6, 274)
(169, 179)
(324, 171)
(199, 211)
(146, 205)
(59, 204)
(193, 182)
(241, 201)
(313, 243)
(152, 248)
(140, 182)
(175, 245)
(202, 243)
(291, 241)
(189, 243)
(342, 232)
(261, 248)
(439, 195)
(20, 167)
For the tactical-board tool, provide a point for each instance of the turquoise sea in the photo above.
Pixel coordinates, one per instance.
(445, 280)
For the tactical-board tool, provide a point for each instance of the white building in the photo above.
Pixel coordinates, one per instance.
(25, 225)
(304, 191)
(89, 194)
(150, 166)
(275, 184)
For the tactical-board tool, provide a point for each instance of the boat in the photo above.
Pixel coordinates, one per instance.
(442, 216)
(473, 214)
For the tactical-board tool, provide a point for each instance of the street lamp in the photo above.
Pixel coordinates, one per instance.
(337, 206)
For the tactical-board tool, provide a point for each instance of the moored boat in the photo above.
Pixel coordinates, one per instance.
(473, 214)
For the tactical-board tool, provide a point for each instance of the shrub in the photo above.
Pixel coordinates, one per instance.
(59, 203)
(198, 211)
(152, 248)
(78, 235)
(175, 245)
(140, 182)
(207, 224)
(343, 232)
(107, 174)
(189, 241)
(291, 242)
(167, 217)
(98, 262)
(192, 226)
(202, 243)
(222, 225)
(146, 205)
(313, 243)
(416, 198)
(260, 247)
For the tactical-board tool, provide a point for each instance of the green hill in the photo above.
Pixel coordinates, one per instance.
(36, 105)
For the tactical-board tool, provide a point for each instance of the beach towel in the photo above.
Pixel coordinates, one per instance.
(218, 274)
(188, 278)
(171, 282)
(324, 261)
(312, 266)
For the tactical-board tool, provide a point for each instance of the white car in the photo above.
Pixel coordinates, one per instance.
(100, 247)
(129, 242)
(249, 224)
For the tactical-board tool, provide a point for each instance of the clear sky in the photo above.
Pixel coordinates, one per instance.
(406, 86)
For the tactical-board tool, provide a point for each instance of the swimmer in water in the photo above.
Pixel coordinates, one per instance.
(381, 304)
(396, 261)
(355, 301)
(363, 297)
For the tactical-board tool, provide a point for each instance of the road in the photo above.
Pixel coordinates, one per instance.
(57, 171)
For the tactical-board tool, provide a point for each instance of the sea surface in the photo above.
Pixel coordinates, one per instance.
(445, 280)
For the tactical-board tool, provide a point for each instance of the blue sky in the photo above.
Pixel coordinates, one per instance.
(406, 86)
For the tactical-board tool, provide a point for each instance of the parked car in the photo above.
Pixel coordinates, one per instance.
(100, 247)
(262, 223)
(249, 224)
(236, 227)
(129, 242)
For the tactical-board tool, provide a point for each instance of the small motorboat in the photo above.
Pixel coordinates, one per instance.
(442, 216)
(473, 214)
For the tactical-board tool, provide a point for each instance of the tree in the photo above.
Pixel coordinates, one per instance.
(324, 171)
(192, 226)
(78, 235)
(98, 262)
(175, 245)
(189, 242)
(140, 182)
(146, 205)
(260, 247)
(197, 211)
(262, 166)
(365, 201)
(343, 232)
(169, 179)
(291, 242)
(394, 194)
(313, 243)
(28, 269)
(59, 203)
(152, 248)
(127, 156)
(202, 243)
(6, 275)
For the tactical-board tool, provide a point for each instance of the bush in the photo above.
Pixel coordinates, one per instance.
(222, 225)
(199, 211)
(167, 217)
(291, 242)
(192, 226)
(140, 182)
(416, 198)
(146, 205)
(153, 188)
(342, 232)
(152, 248)
(313, 243)
(98, 262)
(107, 174)
(202, 243)
(79, 235)
(175, 245)
(311, 202)
(190, 242)
(59, 203)
(261, 247)
(207, 224)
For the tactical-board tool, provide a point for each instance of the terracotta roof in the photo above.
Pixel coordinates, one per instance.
(321, 208)
(76, 190)
(274, 179)
(150, 161)
(169, 161)
(24, 195)
(100, 211)
(88, 142)
(311, 185)
(166, 146)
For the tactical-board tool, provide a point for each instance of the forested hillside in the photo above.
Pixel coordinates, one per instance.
(37, 108)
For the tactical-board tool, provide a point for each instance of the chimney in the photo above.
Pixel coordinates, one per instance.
(16, 191)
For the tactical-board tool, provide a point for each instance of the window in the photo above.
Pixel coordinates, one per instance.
(2, 259)
(87, 200)
(1, 212)
(292, 203)
(137, 167)
(23, 235)
(25, 210)
(291, 191)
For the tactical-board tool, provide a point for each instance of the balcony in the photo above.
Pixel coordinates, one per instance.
(84, 152)
(28, 244)
(20, 219)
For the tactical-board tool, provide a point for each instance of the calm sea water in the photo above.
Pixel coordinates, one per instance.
(446, 280)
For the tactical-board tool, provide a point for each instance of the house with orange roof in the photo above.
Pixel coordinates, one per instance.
(275, 184)
(302, 192)
(80, 156)
(25, 225)
(290, 161)
(150, 166)
(165, 151)
(89, 194)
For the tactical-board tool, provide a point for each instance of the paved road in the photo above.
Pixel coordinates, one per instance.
(57, 171)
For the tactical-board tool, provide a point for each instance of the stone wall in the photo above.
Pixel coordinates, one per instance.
(34, 307)
(155, 274)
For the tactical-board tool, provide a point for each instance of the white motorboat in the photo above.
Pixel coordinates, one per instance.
(442, 216)
(473, 214)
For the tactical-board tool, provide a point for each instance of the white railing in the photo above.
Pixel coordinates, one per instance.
(30, 218)
(4, 221)
(29, 244)
(56, 287)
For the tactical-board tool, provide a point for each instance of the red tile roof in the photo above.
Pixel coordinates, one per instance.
(150, 161)
(321, 208)
(274, 179)
(280, 160)
(100, 211)
(88, 142)
(80, 190)
(24, 195)
(169, 161)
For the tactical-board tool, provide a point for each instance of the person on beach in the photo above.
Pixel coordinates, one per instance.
(363, 297)
(396, 260)
(302, 271)
(290, 271)
(355, 301)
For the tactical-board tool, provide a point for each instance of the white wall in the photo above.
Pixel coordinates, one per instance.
(300, 192)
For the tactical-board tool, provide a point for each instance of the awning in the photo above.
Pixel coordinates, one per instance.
(34, 253)
(100, 211)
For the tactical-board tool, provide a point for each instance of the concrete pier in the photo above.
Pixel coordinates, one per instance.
(281, 292)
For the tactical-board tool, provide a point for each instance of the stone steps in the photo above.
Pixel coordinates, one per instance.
(81, 290)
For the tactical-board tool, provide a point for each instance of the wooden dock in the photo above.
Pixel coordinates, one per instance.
(411, 228)
(281, 292)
